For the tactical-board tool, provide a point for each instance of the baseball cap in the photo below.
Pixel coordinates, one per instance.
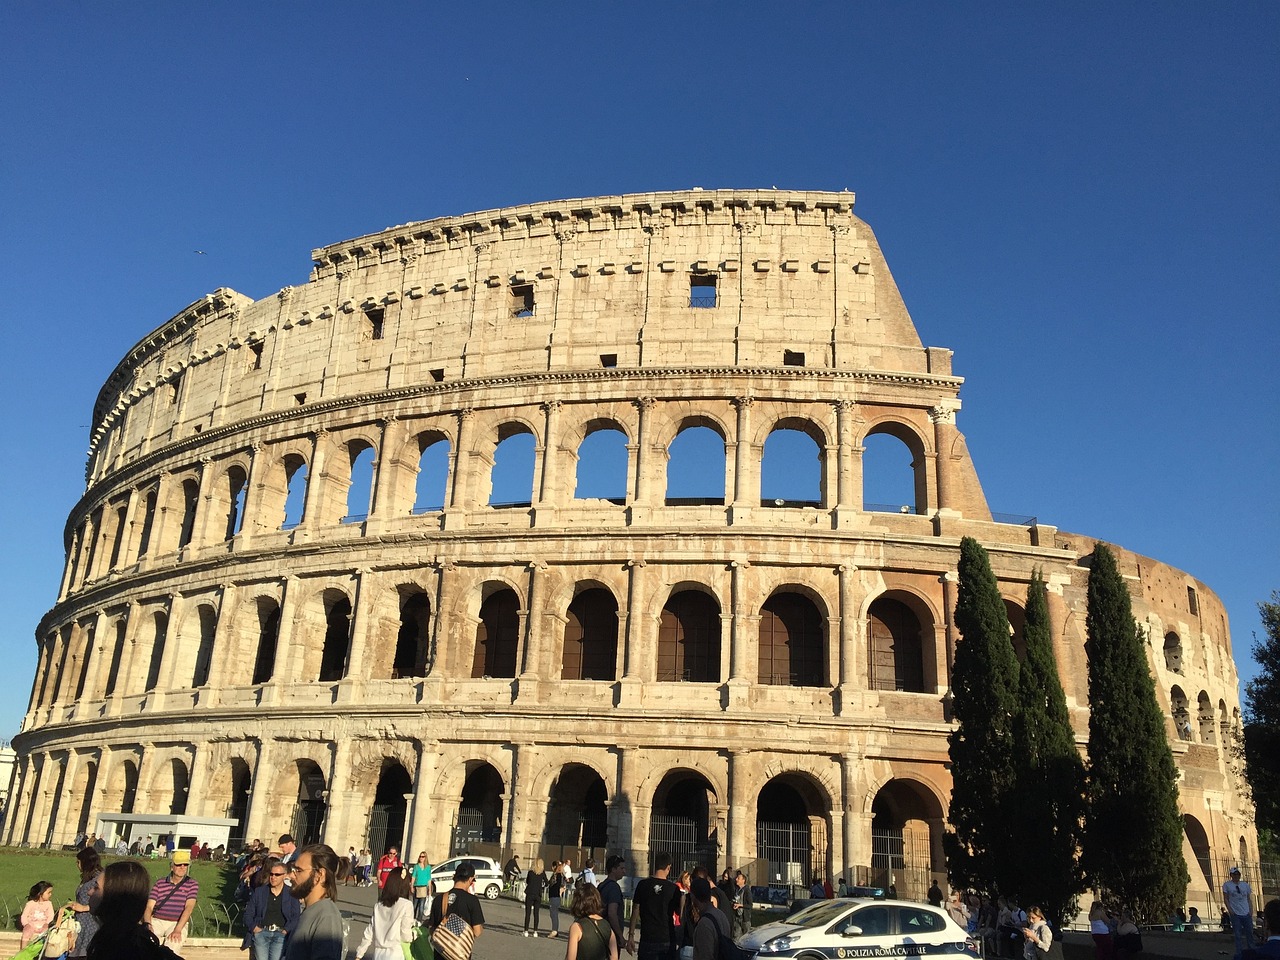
(180, 857)
(285, 838)
(1234, 871)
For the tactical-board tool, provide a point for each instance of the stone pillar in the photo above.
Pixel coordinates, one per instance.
(380, 505)
(317, 493)
(640, 665)
(257, 816)
(18, 802)
(460, 468)
(943, 417)
(848, 821)
(198, 782)
(424, 810)
(848, 466)
(129, 542)
(534, 666)
(336, 827)
(740, 848)
(225, 656)
(746, 478)
(290, 656)
(642, 462)
(352, 686)
(741, 671)
(208, 529)
(549, 494)
(623, 833)
(948, 634)
(853, 668)
(252, 494)
(445, 631)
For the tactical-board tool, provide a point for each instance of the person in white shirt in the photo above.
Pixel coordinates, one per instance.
(1239, 899)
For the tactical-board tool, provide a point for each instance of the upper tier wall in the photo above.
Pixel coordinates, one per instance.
(798, 280)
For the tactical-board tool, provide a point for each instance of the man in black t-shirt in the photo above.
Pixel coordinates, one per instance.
(459, 901)
(653, 903)
(611, 894)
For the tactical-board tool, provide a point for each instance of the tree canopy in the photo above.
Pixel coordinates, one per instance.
(1262, 724)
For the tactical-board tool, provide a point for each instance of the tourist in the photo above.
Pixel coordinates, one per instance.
(389, 861)
(1194, 920)
(653, 902)
(555, 890)
(421, 887)
(1037, 934)
(935, 894)
(709, 923)
(817, 891)
(366, 867)
(122, 933)
(590, 935)
(1104, 947)
(725, 884)
(315, 884)
(391, 925)
(1128, 938)
(957, 910)
(38, 912)
(459, 901)
(270, 915)
(534, 882)
(88, 896)
(741, 904)
(842, 889)
(611, 893)
(588, 875)
(511, 872)
(351, 873)
(1238, 896)
(172, 901)
(288, 849)
(1270, 948)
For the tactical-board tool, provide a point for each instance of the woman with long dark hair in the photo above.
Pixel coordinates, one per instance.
(121, 935)
(88, 895)
(392, 922)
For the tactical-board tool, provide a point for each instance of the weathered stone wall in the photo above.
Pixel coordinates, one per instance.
(735, 661)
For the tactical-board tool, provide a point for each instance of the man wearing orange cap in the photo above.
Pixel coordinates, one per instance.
(172, 900)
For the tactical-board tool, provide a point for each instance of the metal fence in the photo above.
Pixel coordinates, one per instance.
(686, 840)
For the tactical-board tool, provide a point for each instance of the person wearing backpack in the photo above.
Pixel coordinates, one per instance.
(710, 926)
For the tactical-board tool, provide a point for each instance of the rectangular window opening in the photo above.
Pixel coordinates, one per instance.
(1192, 604)
(522, 293)
(255, 351)
(608, 359)
(437, 374)
(300, 398)
(374, 316)
(792, 358)
(702, 290)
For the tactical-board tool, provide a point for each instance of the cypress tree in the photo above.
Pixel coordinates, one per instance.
(1262, 725)
(984, 684)
(1047, 821)
(1133, 829)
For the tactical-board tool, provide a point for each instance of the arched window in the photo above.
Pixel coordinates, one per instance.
(160, 627)
(181, 786)
(264, 661)
(413, 640)
(204, 654)
(90, 633)
(433, 473)
(1017, 618)
(1204, 716)
(117, 539)
(1172, 652)
(235, 480)
(591, 637)
(295, 499)
(337, 637)
(190, 497)
(117, 655)
(897, 655)
(791, 469)
(497, 636)
(1181, 713)
(689, 638)
(695, 466)
(893, 476)
(792, 648)
(360, 490)
(602, 465)
(148, 520)
(513, 467)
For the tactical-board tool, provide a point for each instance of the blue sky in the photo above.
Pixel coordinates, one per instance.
(1080, 199)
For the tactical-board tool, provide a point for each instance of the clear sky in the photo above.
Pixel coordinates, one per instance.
(1080, 199)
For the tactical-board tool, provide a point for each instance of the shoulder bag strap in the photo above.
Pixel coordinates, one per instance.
(169, 896)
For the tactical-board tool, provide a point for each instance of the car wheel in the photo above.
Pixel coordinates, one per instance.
(491, 891)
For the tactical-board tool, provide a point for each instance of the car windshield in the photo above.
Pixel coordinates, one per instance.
(818, 914)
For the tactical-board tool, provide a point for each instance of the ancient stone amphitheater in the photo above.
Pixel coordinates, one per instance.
(544, 529)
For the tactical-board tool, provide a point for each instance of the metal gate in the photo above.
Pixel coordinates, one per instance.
(307, 821)
(788, 849)
(680, 837)
(906, 865)
(376, 831)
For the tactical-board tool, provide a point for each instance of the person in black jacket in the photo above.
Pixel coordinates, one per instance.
(534, 883)
(270, 915)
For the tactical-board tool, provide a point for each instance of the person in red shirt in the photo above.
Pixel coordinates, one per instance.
(389, 862)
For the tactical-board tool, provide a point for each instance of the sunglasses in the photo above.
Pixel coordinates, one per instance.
(274, 874)
(294, 868)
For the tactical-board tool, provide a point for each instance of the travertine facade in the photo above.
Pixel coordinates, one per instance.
(734, 671)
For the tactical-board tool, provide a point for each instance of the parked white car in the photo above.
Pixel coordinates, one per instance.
(861, 928)
(488, 876)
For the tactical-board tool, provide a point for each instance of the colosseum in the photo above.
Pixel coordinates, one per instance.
(543, 529)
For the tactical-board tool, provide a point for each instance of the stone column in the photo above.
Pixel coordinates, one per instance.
(949, 581)
(225, 657)
(336, 826)
(252, 495)
(848, 466)
(289, 655)
(17, 797)
(623, 833)
(742, 673)
(534, 655)
(317, 493)
(848, 820)
(641, 502)
(380, 505)
(257, 815)
(455, 515)
(198, 782)
(853, 668)
(549, 493)
(640, 664)
(445, 637)
(129, 543)
(943, 417)
(208, 529)
(740, 805)
(351, 689)
(424, 810)
(746, 478)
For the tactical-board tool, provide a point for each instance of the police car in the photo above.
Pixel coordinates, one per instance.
(841, 929)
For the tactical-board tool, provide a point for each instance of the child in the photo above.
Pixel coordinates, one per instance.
(39, 911)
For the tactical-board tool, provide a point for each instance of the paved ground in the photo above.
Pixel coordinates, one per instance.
(504, 921)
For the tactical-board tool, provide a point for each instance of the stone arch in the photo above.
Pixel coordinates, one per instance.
(328, 660)
(433, 448)
(497, 638)
(1204, 717)
(454, 772)
(793, 825)
(683, 820)
(121, 794)
(1201, 852)
(230, 494)
(590, 647)
(1017, 618)
(299, 794)
(356, 494)
(259, 638)
(690, 634)
(907, 825)
(480, 810)
(601, 461)
(412, 654)
(513, 463)
(917, 445)
(793, 639)
(793, 463)
(1224, 724)
(1180, 711)
(577, 806)
(1172, 652)
(281, 491)
(691, 475)
(901, 642)
(195, 642)
(230, 784)
(158, 624)
(83, 785)
(389, 812)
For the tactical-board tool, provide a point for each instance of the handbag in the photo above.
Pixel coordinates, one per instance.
(419, 948)
(62, 936)
(453, 939)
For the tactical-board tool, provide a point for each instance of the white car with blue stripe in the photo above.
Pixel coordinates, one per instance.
(842, 929)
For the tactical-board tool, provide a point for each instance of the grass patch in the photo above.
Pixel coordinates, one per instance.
(216, 912)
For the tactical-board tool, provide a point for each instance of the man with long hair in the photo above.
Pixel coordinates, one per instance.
(315, 883)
